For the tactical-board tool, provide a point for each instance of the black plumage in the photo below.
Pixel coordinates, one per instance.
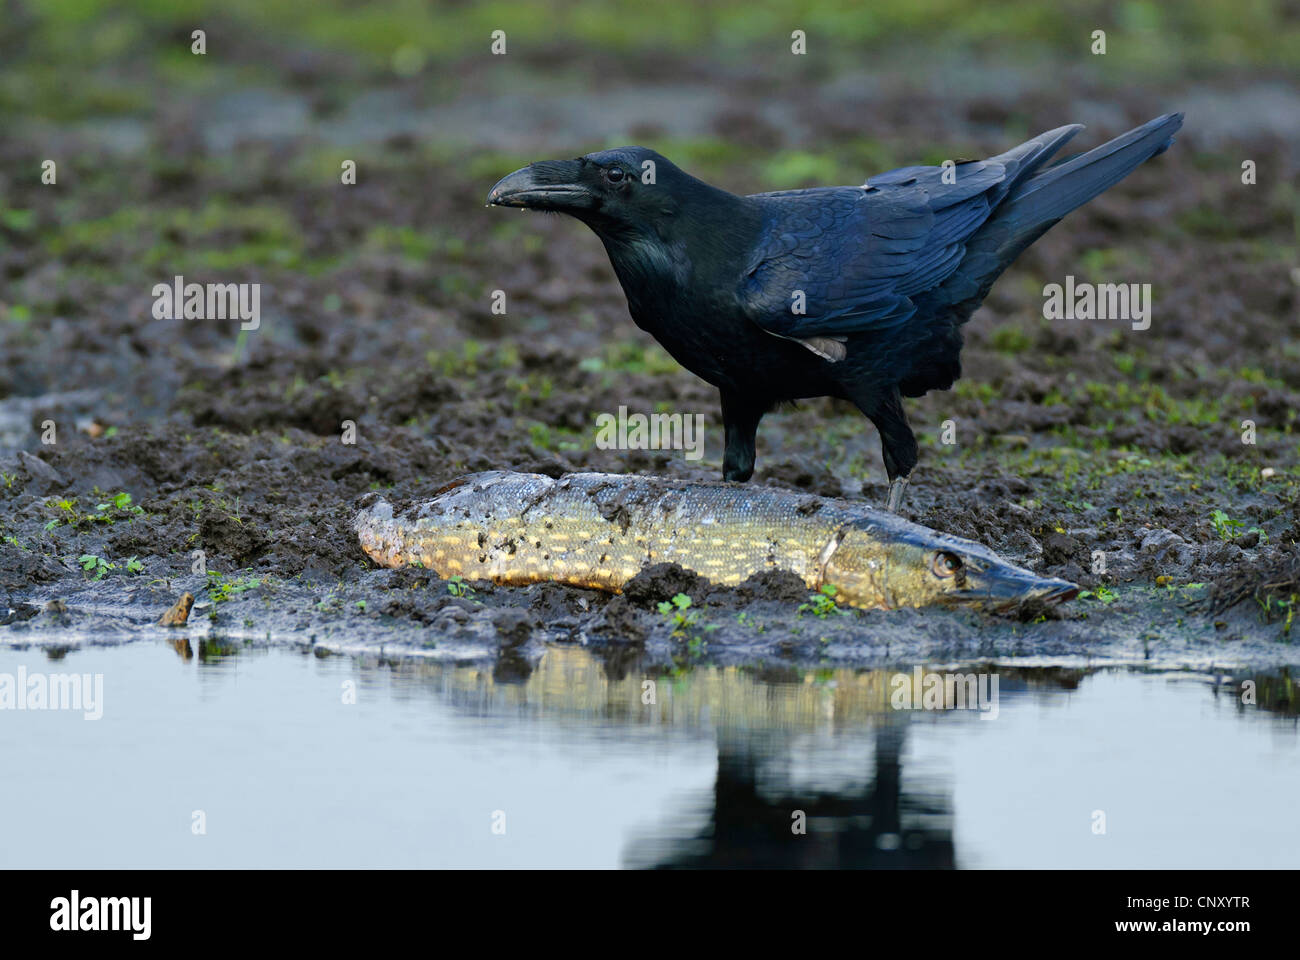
(851, 292)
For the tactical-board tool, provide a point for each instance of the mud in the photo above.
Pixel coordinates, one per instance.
(1074, 440)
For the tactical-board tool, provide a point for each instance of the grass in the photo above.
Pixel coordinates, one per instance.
(95, 58)
(1248, 31)
(221, 235)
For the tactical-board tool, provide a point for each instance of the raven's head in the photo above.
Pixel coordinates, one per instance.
(610, 191)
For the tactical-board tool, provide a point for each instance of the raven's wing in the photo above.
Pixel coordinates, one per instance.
(853, 257)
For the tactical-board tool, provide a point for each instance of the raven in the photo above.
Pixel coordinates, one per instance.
(851, 292)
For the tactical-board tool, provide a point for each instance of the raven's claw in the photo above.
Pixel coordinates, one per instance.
(897, 487)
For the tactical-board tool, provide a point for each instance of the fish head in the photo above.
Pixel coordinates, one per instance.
(891, 563)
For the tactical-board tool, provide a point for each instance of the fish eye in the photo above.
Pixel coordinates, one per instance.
(944, 564)
(614, 174)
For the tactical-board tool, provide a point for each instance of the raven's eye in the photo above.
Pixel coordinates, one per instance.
(944, 564)
(614, 174)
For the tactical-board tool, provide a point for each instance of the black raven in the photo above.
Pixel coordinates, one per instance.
(851, 292)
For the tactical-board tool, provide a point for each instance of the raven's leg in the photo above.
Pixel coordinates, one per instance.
(740, 417)
(897, 443)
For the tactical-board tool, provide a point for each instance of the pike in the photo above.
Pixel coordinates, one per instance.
(600, 530)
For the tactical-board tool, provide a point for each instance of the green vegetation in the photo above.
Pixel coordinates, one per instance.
(1010, 339)
(222, 588)
(118, 507)
(630, 357)
(678, 610)
(1229, 529)
(1274, 608)
(685, 620)
(99, 568)
(1102, 594)
(220, 235)
(1224, 526)
(409, 37)
(822, 603)
(457, 587)
(95, 565)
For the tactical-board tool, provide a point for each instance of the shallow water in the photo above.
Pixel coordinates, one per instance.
(561, 763)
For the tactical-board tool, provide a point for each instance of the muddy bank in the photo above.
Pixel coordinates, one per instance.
(195, 456)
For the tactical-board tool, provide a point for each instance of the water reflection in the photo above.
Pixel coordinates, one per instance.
(756, 820)
(760, 812)
(657, 765)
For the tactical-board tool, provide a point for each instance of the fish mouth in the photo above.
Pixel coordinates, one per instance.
(1007, 589)
(1059, 594)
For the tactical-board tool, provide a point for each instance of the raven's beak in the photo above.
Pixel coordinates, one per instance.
(549, 185)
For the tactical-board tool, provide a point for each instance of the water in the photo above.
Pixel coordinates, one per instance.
(264, 751)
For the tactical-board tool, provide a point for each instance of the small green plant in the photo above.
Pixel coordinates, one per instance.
(1101, 594)
(119, 501)
(1224, 525)
(1273, 607)
(676, 610)
(134, 566)
(66, 512)
(1229, 529)
(221, 588)
(684, 619)
(96, 565)
(822, 603)
(117, 507)
(457, 587)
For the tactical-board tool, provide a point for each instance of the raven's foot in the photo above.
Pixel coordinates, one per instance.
(897, 487)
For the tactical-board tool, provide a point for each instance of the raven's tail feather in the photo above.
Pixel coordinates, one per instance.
(1038, 197)
(1020, 162)
(1060, 188)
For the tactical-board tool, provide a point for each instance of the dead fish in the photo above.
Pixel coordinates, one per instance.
(600, 530)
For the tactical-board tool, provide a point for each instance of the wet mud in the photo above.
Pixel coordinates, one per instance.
(190, 456)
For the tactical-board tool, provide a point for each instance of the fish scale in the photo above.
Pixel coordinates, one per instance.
(601, 530)
(594, 530)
